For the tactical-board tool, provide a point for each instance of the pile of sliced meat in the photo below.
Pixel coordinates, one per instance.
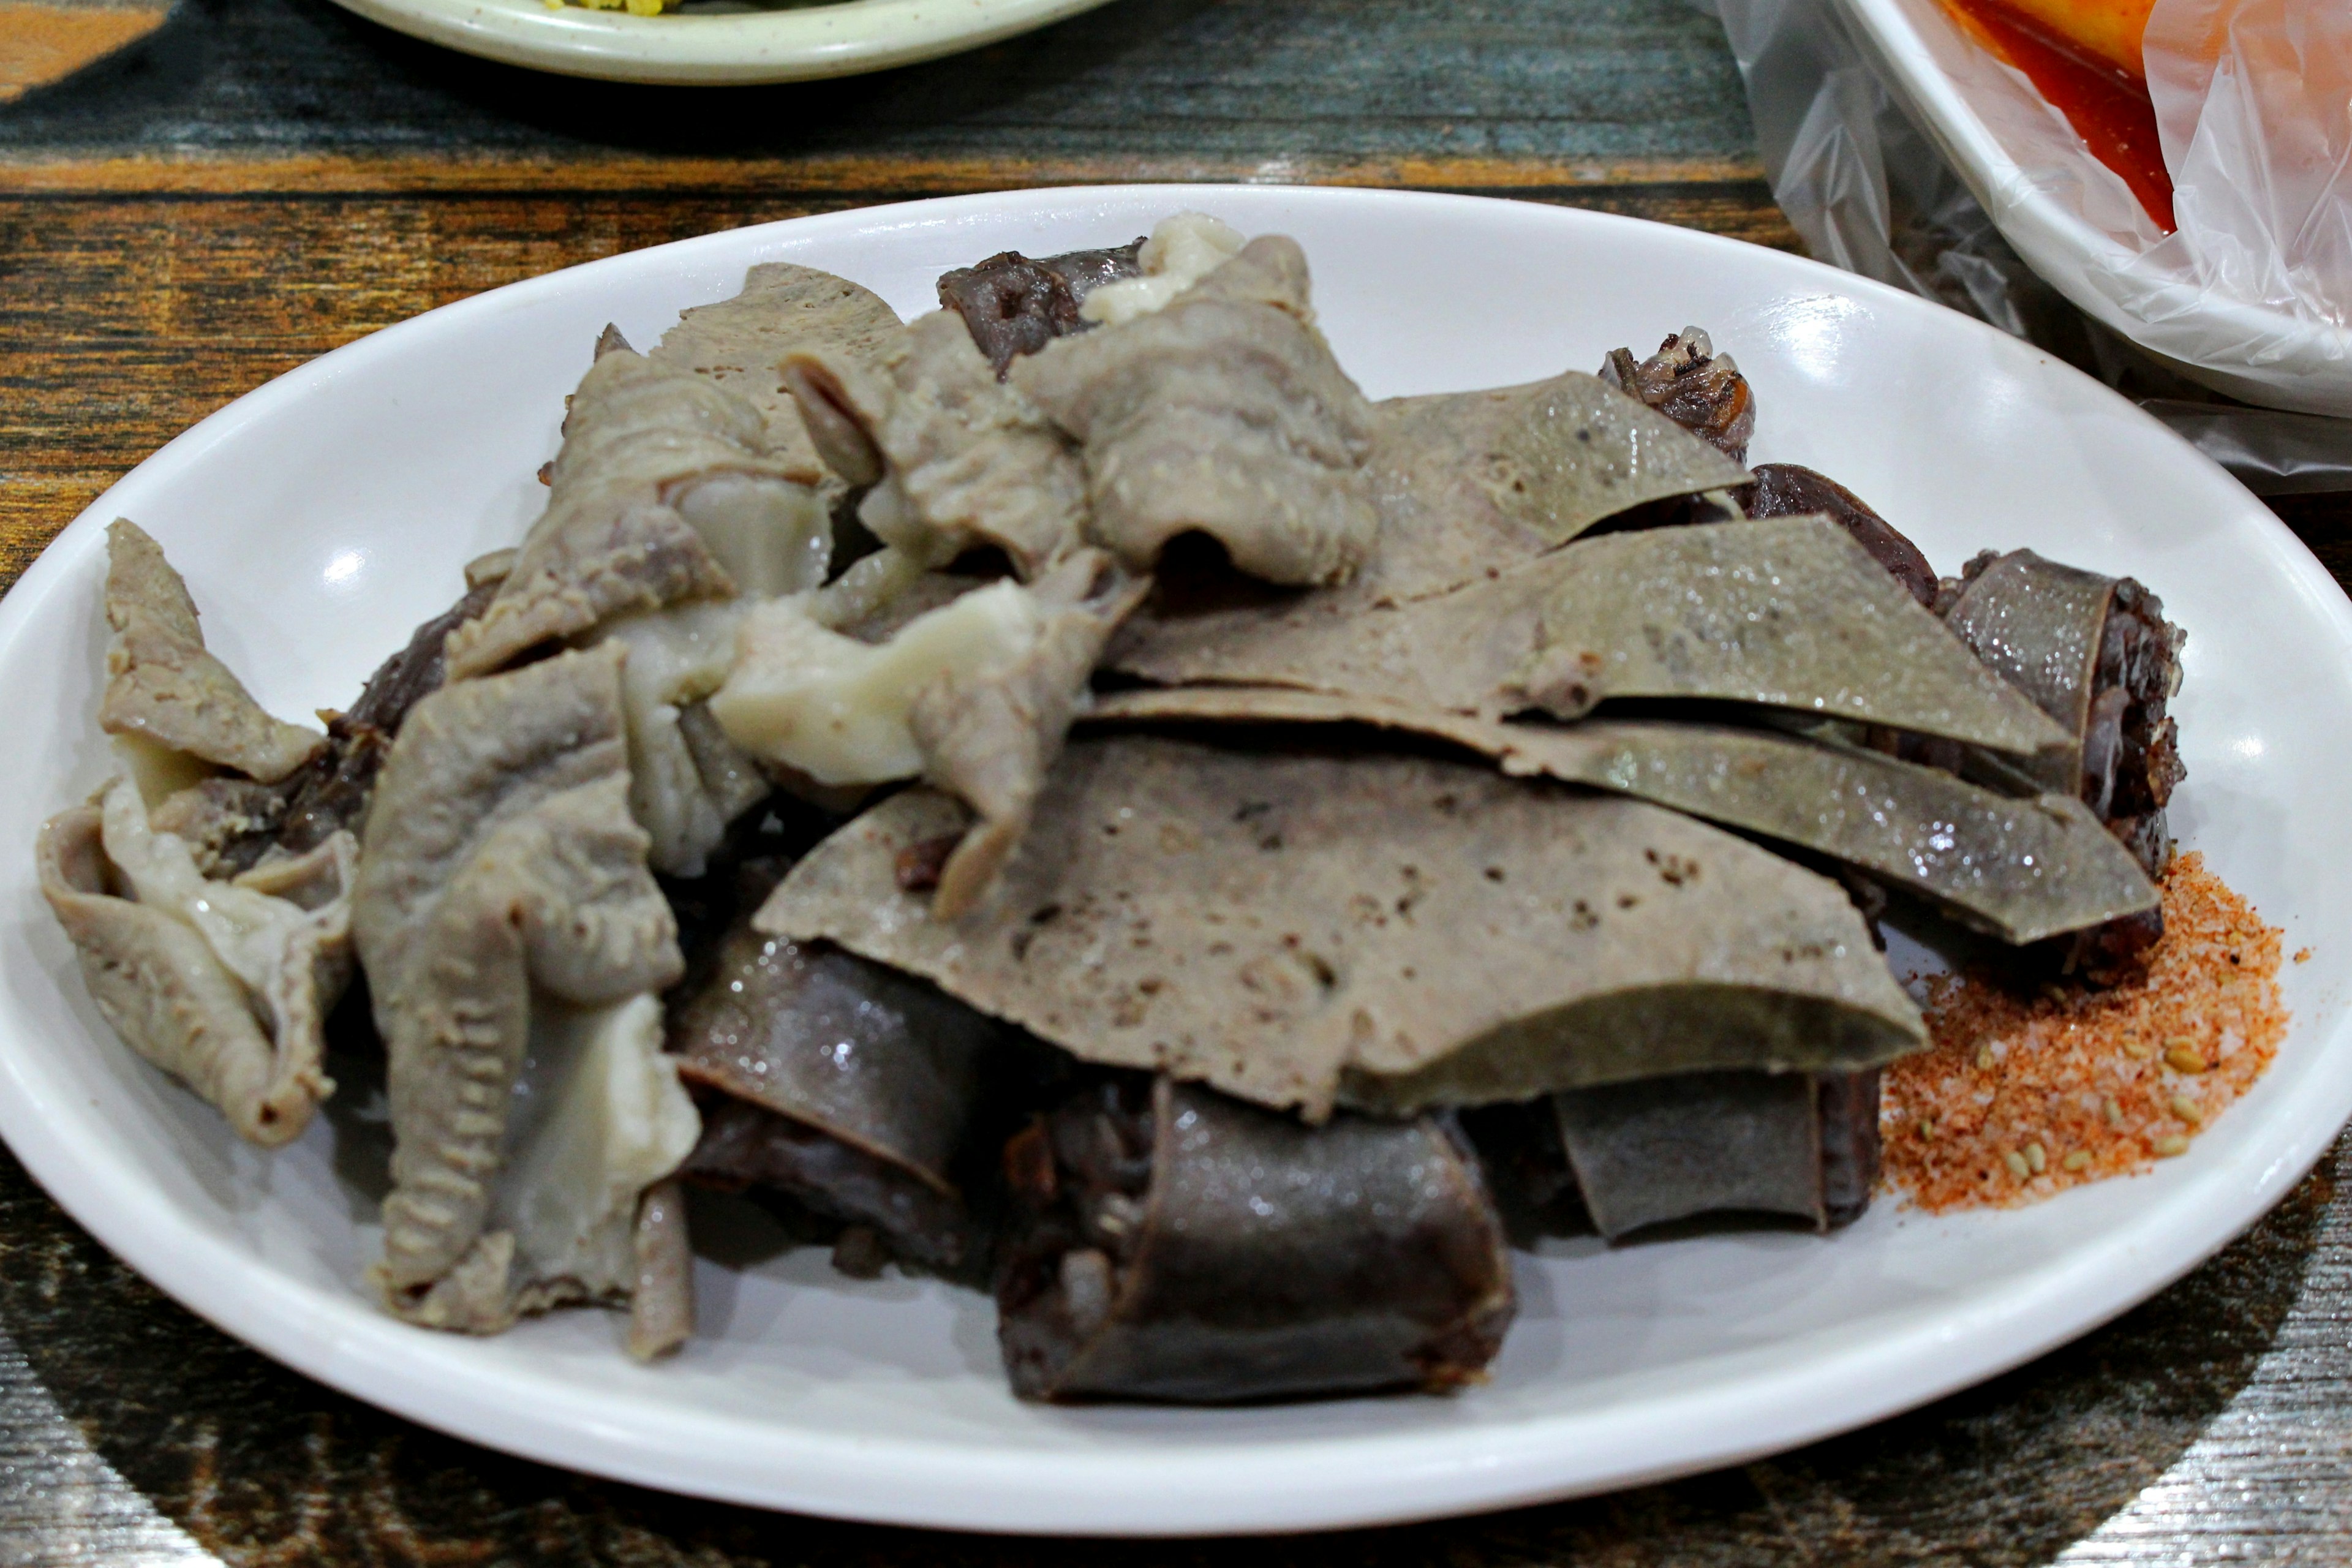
(1068, 796)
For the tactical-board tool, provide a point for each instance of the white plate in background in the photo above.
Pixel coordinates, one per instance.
(798, 43)
(2010, 147)
(317, 518)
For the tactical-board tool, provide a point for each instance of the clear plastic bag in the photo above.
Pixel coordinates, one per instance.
(1868, 191)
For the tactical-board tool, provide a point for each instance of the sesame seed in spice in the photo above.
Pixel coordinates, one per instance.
(2018, 1097)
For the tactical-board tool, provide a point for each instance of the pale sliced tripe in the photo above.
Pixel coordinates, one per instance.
(2021, 870)
(1465, 484)
(226, 987)
(1789, 613)
(505, 914)
(955, 457)
(162, 689)
(974, 695)
(665, 491)
(783, 310)
(1392, 931)
(687, 781)
(990, 733)
(1224, 412)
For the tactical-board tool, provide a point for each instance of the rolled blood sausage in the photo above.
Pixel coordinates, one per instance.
(1177, 1245)
(1791, 490)
(847, 1086)
(2097, 654)
(1655, 1150)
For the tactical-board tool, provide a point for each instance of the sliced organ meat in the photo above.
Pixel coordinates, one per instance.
(1788, 614)
(783, 310)
(1690, 384)
(1178, 1245)
(1466, 485)
(227, 986)
(1013, 305)
(1223, 414)
(511, 933)
(848, 1087)
(2021, 870)
(954, 458)
(990, 734)
(164, 693)
(665, 491)
(1295, 929)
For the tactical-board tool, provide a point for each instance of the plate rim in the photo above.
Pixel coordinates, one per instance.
(807, 43)
(338, 1339)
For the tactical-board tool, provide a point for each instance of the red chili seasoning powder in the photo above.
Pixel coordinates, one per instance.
(2018, 1097)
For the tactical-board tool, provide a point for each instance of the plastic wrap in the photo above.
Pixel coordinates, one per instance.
(2223, 301)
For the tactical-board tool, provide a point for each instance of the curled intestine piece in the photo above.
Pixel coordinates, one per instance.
(227, 985)
(665, 491)
(163, 691)
(955, 457)
(512, 934)
(1222, 412)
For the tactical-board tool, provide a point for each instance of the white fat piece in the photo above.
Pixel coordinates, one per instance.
(599, 1116)
(772, 536)
(676, 658)
(270, 944)
(1183, 249)
(837, 709)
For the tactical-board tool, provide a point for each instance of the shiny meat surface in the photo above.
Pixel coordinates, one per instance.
(1015, 305)
(1174, 1245)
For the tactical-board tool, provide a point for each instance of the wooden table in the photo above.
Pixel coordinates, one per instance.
(257, 180)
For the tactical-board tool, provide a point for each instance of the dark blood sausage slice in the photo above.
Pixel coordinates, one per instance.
(1660, 1150)
(1176, 1244)
(847, 1086)
(1015, 304)
(1790, 489)
(1693, 385)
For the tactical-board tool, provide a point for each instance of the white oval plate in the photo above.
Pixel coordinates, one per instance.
(317, 518)
(716, 48)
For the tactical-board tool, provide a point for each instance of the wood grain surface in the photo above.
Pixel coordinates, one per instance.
(257, 180)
